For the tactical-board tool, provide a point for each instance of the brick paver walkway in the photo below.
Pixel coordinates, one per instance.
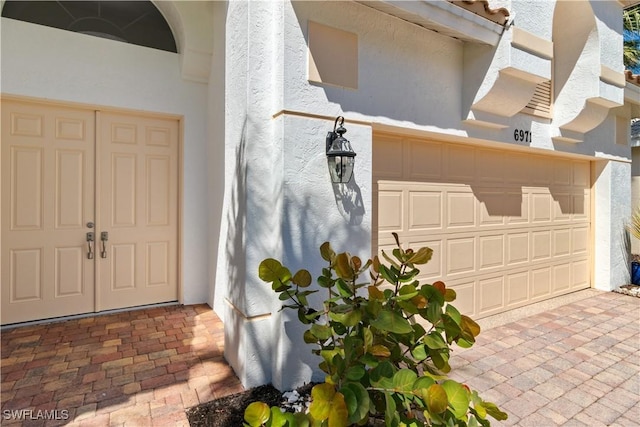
(137, 368)
(576, 365)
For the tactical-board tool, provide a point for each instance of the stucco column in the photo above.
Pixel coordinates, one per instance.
(250, 229)
(612, 209)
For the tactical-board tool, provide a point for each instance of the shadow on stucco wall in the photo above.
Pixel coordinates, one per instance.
(250, 355)
(349, 201)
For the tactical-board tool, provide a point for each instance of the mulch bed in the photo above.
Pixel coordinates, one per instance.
(228, 411)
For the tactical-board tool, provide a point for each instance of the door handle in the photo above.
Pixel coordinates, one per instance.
(90, 239)
(104, 236)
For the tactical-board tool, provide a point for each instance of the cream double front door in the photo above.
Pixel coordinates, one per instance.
(89, 218)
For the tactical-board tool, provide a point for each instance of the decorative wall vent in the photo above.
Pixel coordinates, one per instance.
(540, 104)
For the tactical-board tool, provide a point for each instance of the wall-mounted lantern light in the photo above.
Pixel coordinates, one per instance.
(340, 155)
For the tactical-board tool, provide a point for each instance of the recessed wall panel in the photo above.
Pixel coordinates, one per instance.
(68, 271)
(26, 274)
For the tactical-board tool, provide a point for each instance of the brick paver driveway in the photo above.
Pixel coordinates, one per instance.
(576, 365)
(135, 368)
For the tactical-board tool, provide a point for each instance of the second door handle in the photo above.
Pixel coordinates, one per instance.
(104, 236)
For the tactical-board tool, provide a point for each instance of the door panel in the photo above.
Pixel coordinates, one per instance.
(47, 200)
(138, 181)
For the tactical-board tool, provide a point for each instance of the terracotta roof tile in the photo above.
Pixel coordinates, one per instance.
(482, 8)
(632, 78)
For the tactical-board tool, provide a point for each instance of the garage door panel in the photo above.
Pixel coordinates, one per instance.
(491, 291)
(561, 278)
(388, 160)
(581, 203)
(432, 270)
(460, 255)
(541, 171)
(425, 161)
(489, 166)
(517, 291)
(492, 208)
(580, 274)
(541, 207)
(517, 169)
(517, 207)
(540, 245)
(561, 242)
(461, 208)
(460, 164)
(562, 172)
(580, 240)
(491, 252)
(390, 210)
(425, 210)
(507, 228)
(465, 296)
(562, 207)
(517, 248)
(540, 282)
(581, 175)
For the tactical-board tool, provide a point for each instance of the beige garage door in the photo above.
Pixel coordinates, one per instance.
(507, 228)
(71, 175)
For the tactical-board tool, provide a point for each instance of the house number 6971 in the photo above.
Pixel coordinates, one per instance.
(522, 135)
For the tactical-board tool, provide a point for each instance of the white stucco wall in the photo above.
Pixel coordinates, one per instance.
(54, 64)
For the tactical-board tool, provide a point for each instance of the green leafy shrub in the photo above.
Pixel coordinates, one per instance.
(384, 345)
